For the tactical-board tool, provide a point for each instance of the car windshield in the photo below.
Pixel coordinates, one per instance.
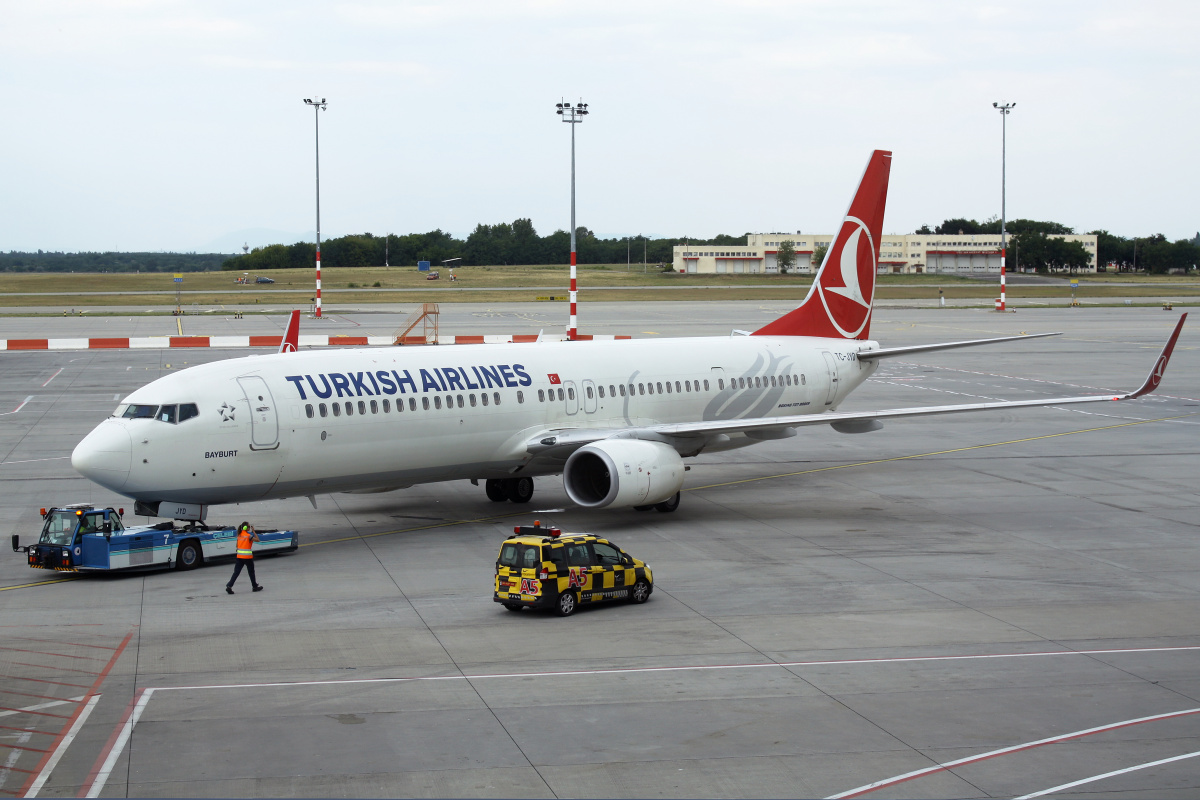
(59, 527)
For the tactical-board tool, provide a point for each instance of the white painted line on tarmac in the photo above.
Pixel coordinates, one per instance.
(33, 460)
(52, 377)
(1016, 748)
(18, 408)
(40, 706)
(1108, 775)
(62, 748)
(119, 745)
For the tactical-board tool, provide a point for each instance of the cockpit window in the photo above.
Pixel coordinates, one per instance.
(167, 414)
(134, 411)
(187, 411)
(120, 412)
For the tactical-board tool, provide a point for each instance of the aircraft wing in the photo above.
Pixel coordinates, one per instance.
(690, 435)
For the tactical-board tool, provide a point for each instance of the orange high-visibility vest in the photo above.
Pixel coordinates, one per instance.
(245, 541)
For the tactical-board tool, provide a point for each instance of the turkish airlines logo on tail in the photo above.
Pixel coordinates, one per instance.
(847, 286)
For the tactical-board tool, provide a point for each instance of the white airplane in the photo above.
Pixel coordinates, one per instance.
(616, 418)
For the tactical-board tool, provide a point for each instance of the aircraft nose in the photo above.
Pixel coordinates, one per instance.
(104, 455)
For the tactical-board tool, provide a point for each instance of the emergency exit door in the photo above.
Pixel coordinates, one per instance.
(264, 422)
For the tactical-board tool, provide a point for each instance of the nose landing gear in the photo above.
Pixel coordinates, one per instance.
(518, 490)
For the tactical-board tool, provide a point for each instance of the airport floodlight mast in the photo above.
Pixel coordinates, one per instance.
(572, 114)
(1004, 110)
(318, 106)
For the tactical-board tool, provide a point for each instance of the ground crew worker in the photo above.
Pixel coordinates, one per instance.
(246, 538)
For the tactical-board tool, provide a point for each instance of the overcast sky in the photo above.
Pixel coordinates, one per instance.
(164, 125)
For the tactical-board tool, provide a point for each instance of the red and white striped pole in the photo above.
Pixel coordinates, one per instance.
(573, 115)
(318, 311)
(318, 106)
(1002, 252)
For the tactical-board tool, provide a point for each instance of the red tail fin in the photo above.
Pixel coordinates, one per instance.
(839, 303)
(291, 337)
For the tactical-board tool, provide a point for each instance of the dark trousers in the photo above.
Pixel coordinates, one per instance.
(248, 563)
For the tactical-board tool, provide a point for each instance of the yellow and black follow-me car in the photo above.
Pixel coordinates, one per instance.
(540, 568)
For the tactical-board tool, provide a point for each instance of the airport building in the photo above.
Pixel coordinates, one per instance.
(914, 253)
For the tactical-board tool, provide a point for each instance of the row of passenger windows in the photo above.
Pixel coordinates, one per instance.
(173, 414)
(363, 407)
(374, 406)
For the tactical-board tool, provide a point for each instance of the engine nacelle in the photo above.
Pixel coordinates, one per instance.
(622, 473)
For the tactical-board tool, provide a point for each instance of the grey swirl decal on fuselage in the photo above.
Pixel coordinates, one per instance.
(734, 402)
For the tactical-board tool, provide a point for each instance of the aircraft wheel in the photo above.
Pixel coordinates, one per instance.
(642, 508)
(520, 490)
(495, 490)
(667, 506)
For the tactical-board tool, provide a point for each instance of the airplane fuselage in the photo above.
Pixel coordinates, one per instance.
(315, 422)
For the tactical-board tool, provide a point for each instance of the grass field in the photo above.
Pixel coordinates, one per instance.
(366, 285)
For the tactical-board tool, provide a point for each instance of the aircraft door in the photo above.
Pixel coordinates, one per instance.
(572, 397)
(590, 399)
(831, 368)
(264, 422)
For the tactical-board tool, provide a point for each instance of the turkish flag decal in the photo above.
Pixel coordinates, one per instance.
(553, 376)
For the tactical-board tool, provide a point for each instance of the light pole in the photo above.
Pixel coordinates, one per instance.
(318, 106)
(572, 114)
(1004, 110)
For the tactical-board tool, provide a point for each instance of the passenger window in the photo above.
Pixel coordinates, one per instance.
(337, 409)
(650, 388)
(374, 407)
(803, 382)
(461, 402)
(631, 390)
(668, 387)
(308, 411)
(578, 555)
(589, 392)
(600, 389)
(324, 412)
(706, 385)
(606, 554)
(641, 388)
(187, 411)
(541, 396)
(412, 404)
(483, 398)
(658, 386)
(349, 409)
(425, 403)
(166, 414)
(622, 390)
(561, 396)
(472, 401)
(571, 392)
(612, 390)
(437, 402)
(677, 389)
(520, 396)
(387, 406)
(496, 398)
(362, 406)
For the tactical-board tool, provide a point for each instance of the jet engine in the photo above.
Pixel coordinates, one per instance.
(622, 473)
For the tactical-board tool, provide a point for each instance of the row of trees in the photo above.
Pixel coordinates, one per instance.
(506, 243)
(109, 262)
(1031, 246)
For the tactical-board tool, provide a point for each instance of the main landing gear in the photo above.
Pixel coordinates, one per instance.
(518, 490)
(666, 506)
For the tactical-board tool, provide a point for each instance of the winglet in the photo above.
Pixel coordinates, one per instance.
(291, 337)
(1160, 366)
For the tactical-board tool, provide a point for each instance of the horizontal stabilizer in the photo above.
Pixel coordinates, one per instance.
(889, 352)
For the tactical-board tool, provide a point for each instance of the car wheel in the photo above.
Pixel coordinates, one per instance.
(640, 593)
(520, 490)
(188, 556)
(566, 605)
(667, 506)
(512, 606)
